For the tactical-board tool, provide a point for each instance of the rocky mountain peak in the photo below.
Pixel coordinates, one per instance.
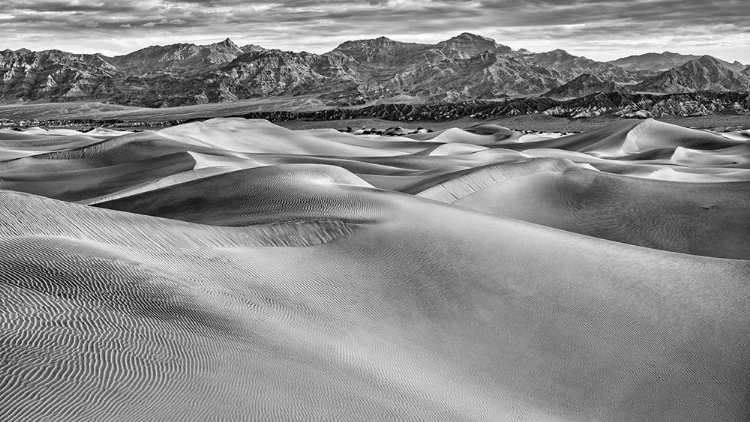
(227, 43)
(468, 36)
(709, 61)
(559, 53)
(177, 58)
(379, 51)
(466, 45)
(226, 47)
(365, 43)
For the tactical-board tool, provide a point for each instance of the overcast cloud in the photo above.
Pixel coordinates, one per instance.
(599, 29)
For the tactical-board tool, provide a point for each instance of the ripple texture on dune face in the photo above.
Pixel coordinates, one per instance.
(234, 270)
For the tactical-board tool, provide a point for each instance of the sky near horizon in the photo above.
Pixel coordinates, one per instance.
(598, 29)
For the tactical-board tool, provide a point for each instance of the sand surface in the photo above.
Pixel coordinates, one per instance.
(235, 270)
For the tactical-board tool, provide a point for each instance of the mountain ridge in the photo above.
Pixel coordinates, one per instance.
(464, 67)
(582, 86)
(706, 73)
(657, 62)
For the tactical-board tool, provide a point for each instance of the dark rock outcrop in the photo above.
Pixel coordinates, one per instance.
(621, 104)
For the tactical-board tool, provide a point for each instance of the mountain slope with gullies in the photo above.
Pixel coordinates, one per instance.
(582, 86)
(54, 75)
(660, 62)
(571, 66)
(463, 68)
(179, 59)
(704, 74)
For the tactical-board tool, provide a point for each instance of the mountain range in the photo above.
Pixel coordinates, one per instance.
(465, 67)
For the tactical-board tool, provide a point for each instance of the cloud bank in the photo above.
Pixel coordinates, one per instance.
(600, 29)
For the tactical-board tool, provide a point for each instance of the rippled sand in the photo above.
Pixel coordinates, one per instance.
(236, 270)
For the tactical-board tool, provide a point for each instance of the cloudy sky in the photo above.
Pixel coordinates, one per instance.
(598, 29)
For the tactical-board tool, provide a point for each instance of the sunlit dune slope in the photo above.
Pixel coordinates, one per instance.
(260, 136)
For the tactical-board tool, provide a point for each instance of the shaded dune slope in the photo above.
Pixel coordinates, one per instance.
(75, 185)
(15, 144)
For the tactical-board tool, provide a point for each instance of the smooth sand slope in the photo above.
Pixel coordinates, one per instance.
(232, 270)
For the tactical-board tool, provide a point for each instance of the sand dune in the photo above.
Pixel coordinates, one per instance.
(76, 185)
(15, 144)
(271, 193)
(702, 219)
(260, 136)
(742, 135)
(483, 134)
(631, 137)
(457, 149)
(234, 270)
(696, 158)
